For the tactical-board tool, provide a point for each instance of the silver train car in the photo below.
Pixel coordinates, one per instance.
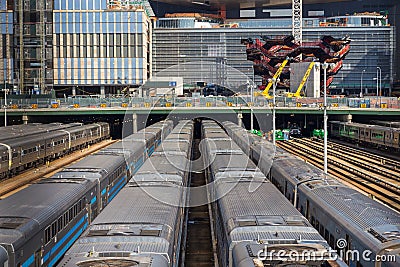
(14, 131)
(23, 152)
(371, 135)
(39, 223)
(351, 222)
(254, 223)
(143, 225)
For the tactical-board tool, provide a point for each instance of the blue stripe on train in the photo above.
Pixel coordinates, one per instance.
(104, 191)
(138, 164)
(121, 180)
(69, 244)
(151, 150)
(29, 261)
(62, 240)
(116, 192)
(93, 200)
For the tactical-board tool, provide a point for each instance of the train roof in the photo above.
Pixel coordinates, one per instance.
(39, 204)
(140, 205)
(178, 145)
(239, 162)
(363, 125)
(394, 124)
(97, 163)
(14, 131)
(265, 201)
(296, 168)
(227, 146)
(164, 164)
(361, 211)
(96, 259)
(245, 254)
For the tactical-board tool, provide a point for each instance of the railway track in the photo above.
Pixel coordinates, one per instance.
(384, 189)
(198, 249)
(16, 183)
(376, 164)
(387, 163)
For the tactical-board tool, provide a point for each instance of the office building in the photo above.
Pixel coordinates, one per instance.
(81, 46)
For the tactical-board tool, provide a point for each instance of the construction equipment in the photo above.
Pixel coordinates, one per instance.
(275, 77)
(302, 83)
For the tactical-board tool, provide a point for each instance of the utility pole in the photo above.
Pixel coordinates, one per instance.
(21, 44)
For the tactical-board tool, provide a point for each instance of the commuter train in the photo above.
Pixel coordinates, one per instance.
(27, 149)
(253, 221)
(39, 223)
(351, 222)
(372, 135)
(14, 131)
(143, 225)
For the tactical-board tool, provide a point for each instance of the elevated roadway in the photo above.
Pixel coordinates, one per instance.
(198, 110)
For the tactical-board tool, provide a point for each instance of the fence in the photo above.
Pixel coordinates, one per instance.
(212, 101)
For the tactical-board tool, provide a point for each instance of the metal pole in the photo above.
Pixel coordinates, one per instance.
(361, 87)
(253, 87)
(325, 66)
(273, 115)
(380, 86)
(5, 106)
(252, 102)
(377, 85)
(251, 118)
(247, 91)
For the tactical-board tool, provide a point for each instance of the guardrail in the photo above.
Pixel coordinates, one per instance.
(212, 101)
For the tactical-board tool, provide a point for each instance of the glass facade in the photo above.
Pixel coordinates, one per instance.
(6, 45)
(94, 45)
(79, 43)
(370, 47)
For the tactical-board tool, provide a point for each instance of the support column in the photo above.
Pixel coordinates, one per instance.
(25, 119)
(134, 123)
(102, 91)
(347, 118)
(344, 118)
(240, 117)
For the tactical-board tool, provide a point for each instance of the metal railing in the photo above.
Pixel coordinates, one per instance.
(211, 101)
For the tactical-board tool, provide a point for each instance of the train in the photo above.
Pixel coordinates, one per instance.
(14, 131)
(40, 222)
(37, 144)
(254, 223)
(352, 223)
(392, 124)
(371, 135)
(143, 225)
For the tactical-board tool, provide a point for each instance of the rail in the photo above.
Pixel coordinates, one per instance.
(210, 101)
(357, 158)
(358, 177)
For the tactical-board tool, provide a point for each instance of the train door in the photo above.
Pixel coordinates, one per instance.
(307, 209)
(346, 249)
(389, 138)
(20, 150)
(38, 258)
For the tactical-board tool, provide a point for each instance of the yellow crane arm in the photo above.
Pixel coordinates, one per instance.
(276, 76)
(303, 81)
